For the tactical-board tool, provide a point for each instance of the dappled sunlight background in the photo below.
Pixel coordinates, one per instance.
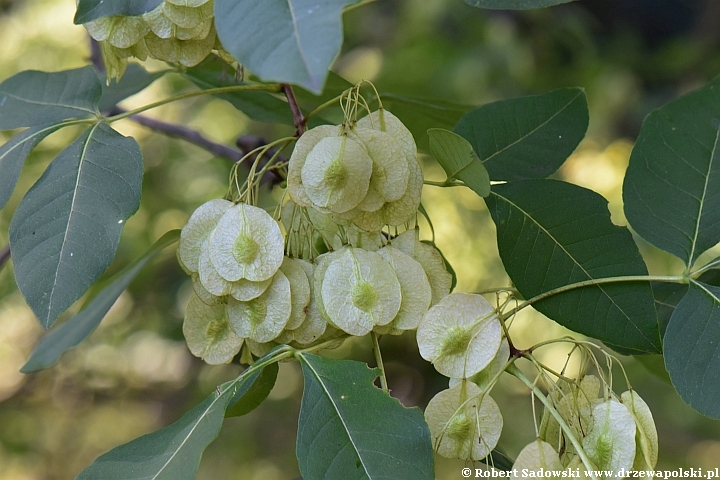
(134, 374)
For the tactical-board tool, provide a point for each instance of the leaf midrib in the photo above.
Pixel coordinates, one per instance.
(48, 104)
(702, 199)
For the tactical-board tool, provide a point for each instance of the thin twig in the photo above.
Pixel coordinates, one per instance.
(4, 256)
(297, 114)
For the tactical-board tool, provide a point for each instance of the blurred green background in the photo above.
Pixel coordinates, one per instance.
(134, 374)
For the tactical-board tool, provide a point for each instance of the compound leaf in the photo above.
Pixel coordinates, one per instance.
(514, 4)
(78, 328)
(459, 160)
(552, 234)
(33, 98)
(13, 155)
(349, 428)
(527, 137)
(692, 357)
(134, 80)
(291, 41)
(66, 229)
(88, 10)
(672, 185)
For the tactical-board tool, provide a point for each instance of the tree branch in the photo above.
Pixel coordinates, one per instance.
(4, 256)
(297, 114)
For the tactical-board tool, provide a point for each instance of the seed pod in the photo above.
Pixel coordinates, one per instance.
(385, 121)
(314, 325)
(303, 147)
(389, 179)
(611, 441)
(185, 52)
(483, 378)
(188, 17)
(646, 437)
(209, 276)
(119, 31)
(463, 424)
(208, 333)
(164, 28)
(262, 318)
(322, 263)
(537, 457)
(198, 229)
(299, 291)
(246, 243)
(188, 3)
(431, 261)
(202, 293)
(460, 335)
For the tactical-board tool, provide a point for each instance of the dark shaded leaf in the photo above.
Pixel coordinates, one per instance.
(13, 155)
(515, 4)
(253, 392)
(692, 356)
(290, 41)
(527, 137)
(33, 98)
(655, 364)
(552, 234)
(667, 296)
(66, 229)
(88, 10)
(459, 160)
(348, 428)
(672, 185)
(78, 328)
(134, 80)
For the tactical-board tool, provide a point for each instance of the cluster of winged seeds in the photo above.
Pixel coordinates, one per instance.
(177, 31)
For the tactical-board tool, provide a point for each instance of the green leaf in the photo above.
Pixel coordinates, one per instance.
(13, 155)
(134, 80)
(173, 452)
(527, 137)
(499, 460)
(667, 296)
(514, 4)
(655, 364)
(254, 392)
(258, 105)
(692, 356)
(459, 160)
(78, 328)
(33, 98)
(552, 234)
(348, 428)
(65, 231)
(421, 114)
(88, 10)
(672, 185)
(290, 41)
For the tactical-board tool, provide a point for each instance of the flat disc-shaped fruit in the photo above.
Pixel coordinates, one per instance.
(390, 174)
(430, 259)
(646, 437)
(185, 52)
(460, 335)
(187, 17)
(414, 288)
(322, 262)
(245, 290)
(208, 333)
(198, 229)
(303, 147)
(159, 24)
(336, 174)
(299, 291)
(188, 3)
(118, 31)
(262, 318)
(246, 243)
(209, 277)
(314, 324)
(484, 377)
(385, 121)
(611, 441)
(360, 290)
(202, 293)
(462, 424)
(537, 457)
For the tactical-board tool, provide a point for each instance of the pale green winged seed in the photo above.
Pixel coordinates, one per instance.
(414, 288)
(245, 290)
(209, 277)
(208, 333)
(188, 3)
(483, 378)
(390, 173)
(201, 223)
(536, 457)
(360, 290)
(246, 243)
(118, 31)
(322, 263)
(159, 24)
(299, 291)
(646, 437)
(314, 325)
(462, 425)
(303, 147)
(260, 349)
(460, 335)
(430, 259)
(336, 174)
(199, 32)
(187, 17)
(202, 293)
(185, 52)
(263, 318)
(357, 238)
(385, 121)
(610, 445)
(115, 61)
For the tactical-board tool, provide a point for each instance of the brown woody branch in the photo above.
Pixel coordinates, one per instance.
(4, 256)
(297, 114)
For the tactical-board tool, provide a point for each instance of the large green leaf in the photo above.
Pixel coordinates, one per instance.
(65, 231)
(515, 4)
(527, 137)
(252, 393)
(552, 234)
(258, 105)
(33, 98)
(459, 160)
(174, 452)
(134, 80)
(78, 328)
(13, 155)
(672, 185)
(88, 10)
(692, 356)
(290, 41)
(348, 428)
